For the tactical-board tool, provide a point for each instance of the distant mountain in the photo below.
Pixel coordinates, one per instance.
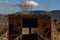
(3, 18)
(55, 13)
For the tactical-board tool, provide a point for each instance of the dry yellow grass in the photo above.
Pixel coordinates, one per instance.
(55, 35)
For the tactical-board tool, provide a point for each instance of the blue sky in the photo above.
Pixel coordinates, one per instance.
(43, 5)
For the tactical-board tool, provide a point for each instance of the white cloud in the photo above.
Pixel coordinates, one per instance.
(28, 3)
(32, 3)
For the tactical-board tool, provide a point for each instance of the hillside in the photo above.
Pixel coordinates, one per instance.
(55, 13)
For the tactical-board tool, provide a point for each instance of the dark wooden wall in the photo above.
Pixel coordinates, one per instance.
(15, 28)
(15, 25)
